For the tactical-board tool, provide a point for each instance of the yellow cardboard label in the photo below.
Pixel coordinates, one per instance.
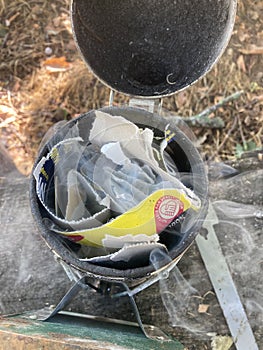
(149, 217)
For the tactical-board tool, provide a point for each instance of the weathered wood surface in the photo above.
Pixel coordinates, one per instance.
(31, 279)
(29, 275)
(22, 333)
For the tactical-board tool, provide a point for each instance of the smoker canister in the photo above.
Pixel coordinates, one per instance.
(145, 49)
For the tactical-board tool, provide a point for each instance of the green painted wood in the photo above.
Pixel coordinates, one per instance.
(90, 334)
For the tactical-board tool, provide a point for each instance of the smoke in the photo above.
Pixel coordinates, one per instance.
(179, 297)
(240, 234)
(240, 231)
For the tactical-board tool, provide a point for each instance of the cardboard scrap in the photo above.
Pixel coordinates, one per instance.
(110, 190)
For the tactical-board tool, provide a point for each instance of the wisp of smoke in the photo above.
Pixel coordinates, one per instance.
(243, 253)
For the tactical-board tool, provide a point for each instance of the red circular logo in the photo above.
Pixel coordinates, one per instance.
(166, 209)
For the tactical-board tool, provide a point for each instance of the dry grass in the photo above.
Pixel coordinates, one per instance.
(32, 99)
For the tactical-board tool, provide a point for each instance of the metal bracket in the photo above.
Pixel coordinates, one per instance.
(224, 286)
(151, 105)
(150, 331)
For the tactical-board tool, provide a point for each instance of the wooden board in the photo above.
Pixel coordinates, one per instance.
(30, 278)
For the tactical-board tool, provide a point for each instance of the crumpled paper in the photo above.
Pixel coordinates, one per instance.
(84, 185)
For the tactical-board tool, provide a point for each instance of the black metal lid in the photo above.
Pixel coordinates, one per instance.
(151, 48)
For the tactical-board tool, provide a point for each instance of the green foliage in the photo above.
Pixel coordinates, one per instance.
(247, 146)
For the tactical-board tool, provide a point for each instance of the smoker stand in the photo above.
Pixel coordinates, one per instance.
(54, 328)
(58, 329)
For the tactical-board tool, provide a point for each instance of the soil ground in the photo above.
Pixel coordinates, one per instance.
(32, 99)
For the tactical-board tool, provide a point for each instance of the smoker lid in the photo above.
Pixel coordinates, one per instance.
(151, 48)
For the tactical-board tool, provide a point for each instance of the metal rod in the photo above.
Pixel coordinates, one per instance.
(224, 286)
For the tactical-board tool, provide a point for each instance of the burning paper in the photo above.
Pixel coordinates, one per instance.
(110, 190)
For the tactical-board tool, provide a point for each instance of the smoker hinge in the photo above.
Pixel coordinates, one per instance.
(151, 105)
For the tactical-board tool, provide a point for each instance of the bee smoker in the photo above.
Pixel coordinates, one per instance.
(147, 50)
